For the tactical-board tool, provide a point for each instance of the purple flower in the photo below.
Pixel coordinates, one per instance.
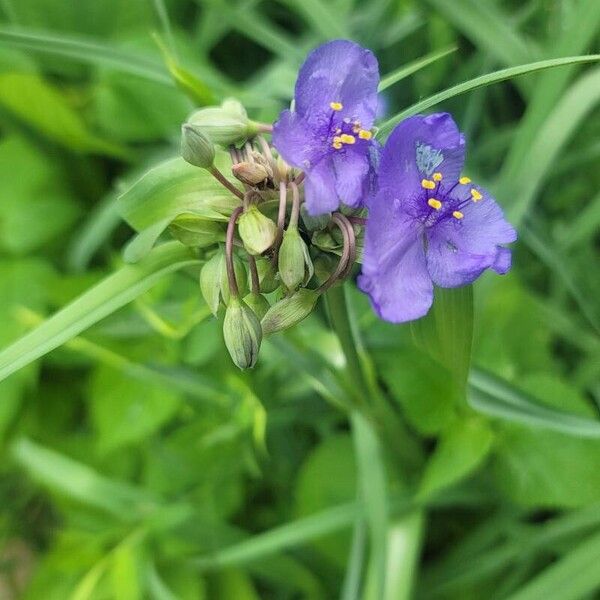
(428, 224)
(328, 131)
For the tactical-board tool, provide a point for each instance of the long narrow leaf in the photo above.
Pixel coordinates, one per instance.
(483, 80)
(101, 300)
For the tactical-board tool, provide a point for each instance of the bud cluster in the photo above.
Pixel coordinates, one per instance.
(262, 279)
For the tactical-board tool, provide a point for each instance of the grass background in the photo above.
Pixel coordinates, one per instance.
(137, 463)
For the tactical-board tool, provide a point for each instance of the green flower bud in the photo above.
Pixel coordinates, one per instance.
(214, 284)
(325, 240)
(250, 173)
(267, 276)
(295, 264)
(196, 147)
(225, 124)
(258, 303)
(257, 231)
(288, 312)
(196, 231)
(242, 333)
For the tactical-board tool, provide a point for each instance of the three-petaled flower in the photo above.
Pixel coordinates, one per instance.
(428, 224)
(327, 133)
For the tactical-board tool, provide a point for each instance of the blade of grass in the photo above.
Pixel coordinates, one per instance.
(321, 17)
(576, 34)
(374, 498)
(576, 575)
(488, 27)
(85, 50)
(491, 395)
(101, 300)
(413, 67)
(551, 138)
(355, 567)
(477, 82)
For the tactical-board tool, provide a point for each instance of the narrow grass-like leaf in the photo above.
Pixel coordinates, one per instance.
(581, 98)
(578, 29)
(491, 395)
(555, 262)
(322, 16)
(576, 575)
(374, 498)
(83, 50)
(583, 226)
(413, 67)
(281, 538)
(356, 562)
(488, 28)
(101, 300)
(477, 82)
(70, 478)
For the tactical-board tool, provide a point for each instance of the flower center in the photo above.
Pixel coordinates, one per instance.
(346, 131)
(438, 203)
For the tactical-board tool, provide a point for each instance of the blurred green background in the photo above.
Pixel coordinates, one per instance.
(137, 462)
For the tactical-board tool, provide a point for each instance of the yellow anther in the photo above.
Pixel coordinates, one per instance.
(346, 138)
(475, 195)
(427, 184)
(336, 105)
(363, 134)
(436, 204)
(337, 145)
(457, 214)
(437, 177)
(464, 180)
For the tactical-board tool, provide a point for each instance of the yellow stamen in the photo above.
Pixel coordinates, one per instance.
(346, 138)
(437, 177)
(436, 204)
(427, 184)
(475, 195)
(464, 180)
(337, 145)
(336, 105)
(457, 214)
(363, 134)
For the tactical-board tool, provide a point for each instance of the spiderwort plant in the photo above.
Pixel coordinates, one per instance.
(327, 132)
(428, 224)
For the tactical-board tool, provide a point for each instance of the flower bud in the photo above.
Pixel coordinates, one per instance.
(198, 232)
(196, 147)
(257, 231)
(250, 173)
(294, 259)
(214, 284)
(258, 303)
(288, 312)
(242, 333)
(225, 124)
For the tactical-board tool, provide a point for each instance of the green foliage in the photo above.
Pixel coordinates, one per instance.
(453, 458)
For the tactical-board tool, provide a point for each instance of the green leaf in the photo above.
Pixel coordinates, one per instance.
(43, 108)
(566, 117)
(33, 180)
(413, 67)
(168, 190)
(80, 49)
(104, 298)
(478, 82)
(446, 332)
(576, 575)
(460, 450)
(187, 82)
(485, 24)
(541, 467)
(80, 482)
(328, 477)
(495, 397)
(373, 495)
(125, 410)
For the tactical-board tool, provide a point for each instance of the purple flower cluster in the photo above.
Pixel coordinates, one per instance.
(428, 224)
